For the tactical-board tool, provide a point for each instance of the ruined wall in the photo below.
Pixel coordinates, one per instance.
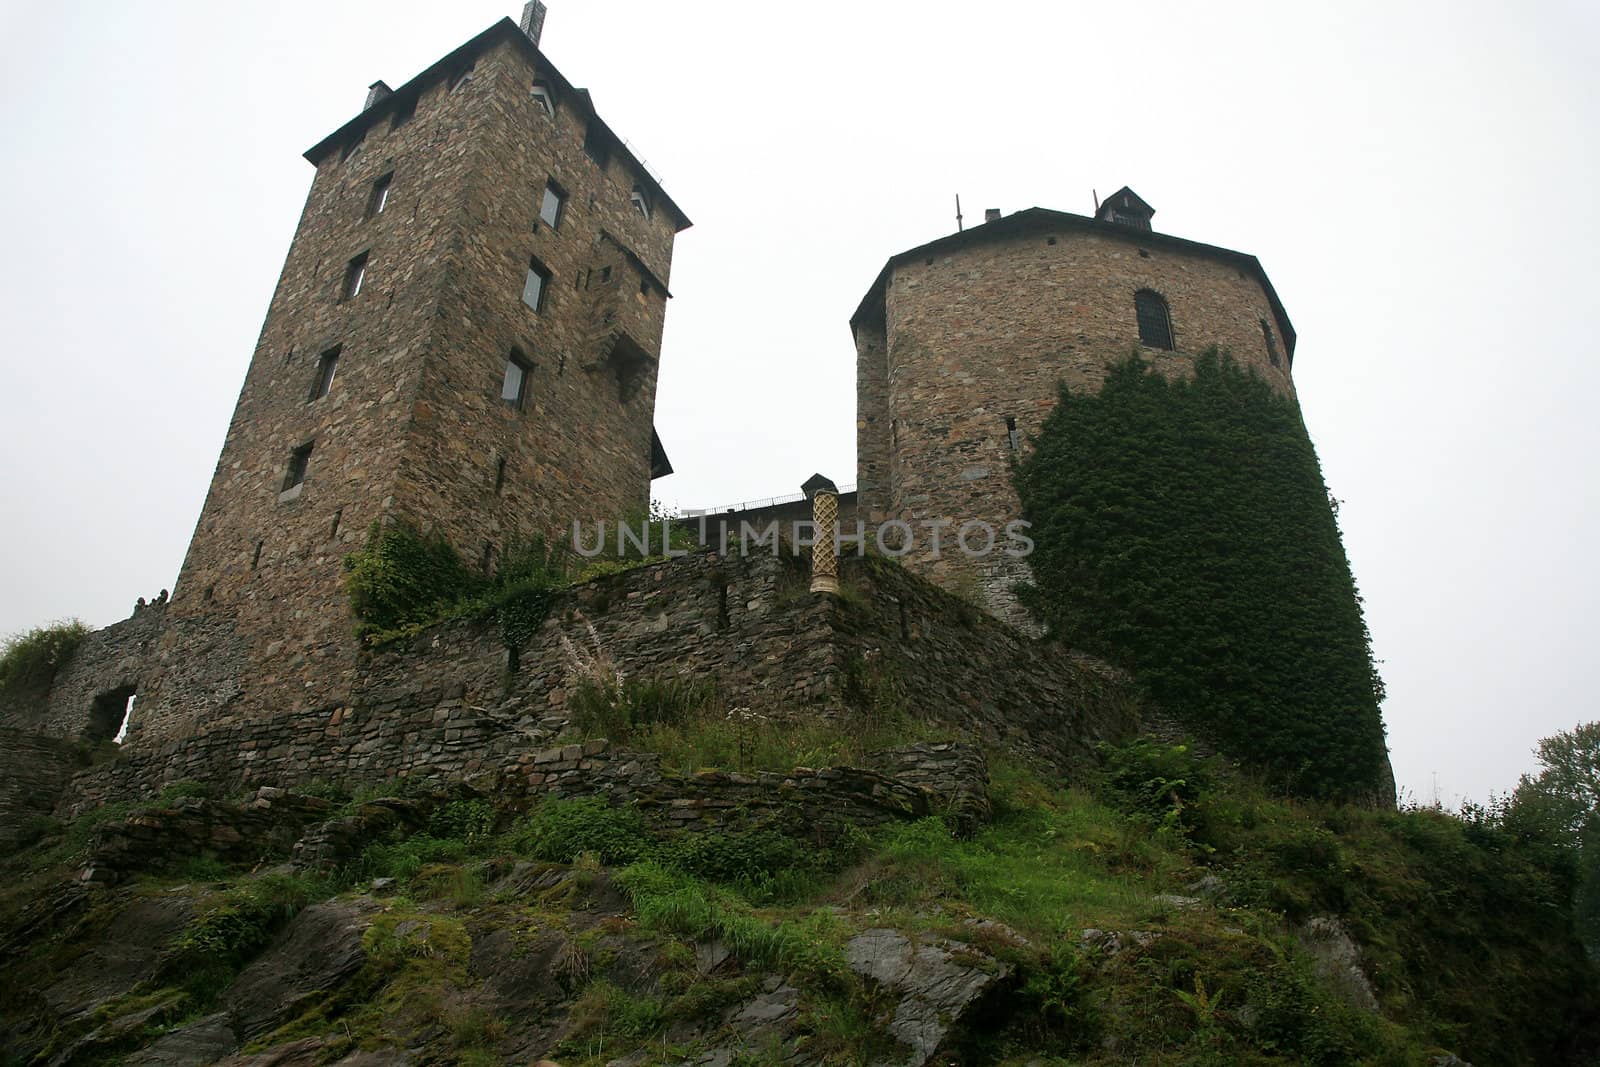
(444, 703)
(986, 332)
(34, 769)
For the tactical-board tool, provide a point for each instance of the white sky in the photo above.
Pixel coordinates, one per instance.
(1417, 178)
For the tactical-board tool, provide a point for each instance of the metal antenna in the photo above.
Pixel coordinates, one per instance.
(958, 213)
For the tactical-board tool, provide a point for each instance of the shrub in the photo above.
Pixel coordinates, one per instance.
(402, 577)
(560, 831)
(30, 660)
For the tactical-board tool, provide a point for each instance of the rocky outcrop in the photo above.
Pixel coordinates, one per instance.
(938, 983)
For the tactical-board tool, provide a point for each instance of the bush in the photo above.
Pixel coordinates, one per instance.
(30, 660)
(560, 831)
(402, 578)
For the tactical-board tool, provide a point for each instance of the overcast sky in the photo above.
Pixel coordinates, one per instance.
(1418, 179)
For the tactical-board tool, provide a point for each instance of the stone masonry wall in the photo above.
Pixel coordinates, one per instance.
(988, 331)
(86, 699)
(413, 424)
(445, 705)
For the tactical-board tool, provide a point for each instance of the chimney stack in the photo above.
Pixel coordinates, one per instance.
(991, 214)
(375, 92)
(533, 20)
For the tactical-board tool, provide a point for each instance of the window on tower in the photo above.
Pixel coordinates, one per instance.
(545, 98)
(514, 390)
(1155, 324)
(354, 274)
(326, 365)
(404, 112)
(551, 204)
(534, 286)
(460, 75)
(641, 201)
(299, 459)
(1272, 342)
(379, 199)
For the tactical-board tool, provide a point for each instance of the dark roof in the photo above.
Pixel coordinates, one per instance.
(504, 30)
(1044, 221)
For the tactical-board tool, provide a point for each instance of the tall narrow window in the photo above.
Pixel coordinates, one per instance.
(641, 202)
(1011, 432)
(326, 365)
(354, 274)
(298, 461)
(1272, 342)
(544, 98)
(1155, 325)
(550, 205)
(380, 195)
(514, 386)
(500, 474)
(533, 286)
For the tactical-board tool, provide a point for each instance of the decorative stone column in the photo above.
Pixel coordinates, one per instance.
(824, 518)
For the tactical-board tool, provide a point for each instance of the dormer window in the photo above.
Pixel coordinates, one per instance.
(1155, 324)
(641, 201)
(545, 98)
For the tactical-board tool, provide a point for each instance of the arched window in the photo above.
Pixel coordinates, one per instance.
(1155, 324)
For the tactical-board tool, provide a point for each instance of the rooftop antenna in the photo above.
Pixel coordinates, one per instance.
(1096, 195)
(958, 213)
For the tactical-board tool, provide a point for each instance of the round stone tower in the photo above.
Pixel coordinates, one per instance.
(962, 344)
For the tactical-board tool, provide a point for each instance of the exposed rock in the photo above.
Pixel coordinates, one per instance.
(938, 982)
(319, 949)
(1175, 900)
(129, 952)
(1110, 942)
(204, 1041)
(1338, 960)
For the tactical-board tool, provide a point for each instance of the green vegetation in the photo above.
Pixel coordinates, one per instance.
(692, 727)
(403, 580)
(1183, 530)
(29, 661)
(605, 919)
(1561, 805)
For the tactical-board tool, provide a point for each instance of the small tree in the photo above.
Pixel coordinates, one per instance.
(1563, 801)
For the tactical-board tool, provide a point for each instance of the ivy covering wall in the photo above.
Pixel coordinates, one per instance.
(1183, 530)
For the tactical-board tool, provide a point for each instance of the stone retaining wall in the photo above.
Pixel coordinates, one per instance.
(449, 704)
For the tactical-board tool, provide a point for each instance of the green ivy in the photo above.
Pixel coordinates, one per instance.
(1183, 529)
(403, 580)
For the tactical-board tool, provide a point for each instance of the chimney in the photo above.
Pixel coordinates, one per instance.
(533, 20)
(991, 214)
(375, 92)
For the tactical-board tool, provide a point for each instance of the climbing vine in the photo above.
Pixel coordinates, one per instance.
(403, 580)
(1183, 530)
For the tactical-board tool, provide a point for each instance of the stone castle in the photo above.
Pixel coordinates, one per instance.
(466, 335)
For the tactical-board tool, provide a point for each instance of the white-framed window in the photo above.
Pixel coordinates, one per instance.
(551, 205)
(513, 391)
(545, 98)
(641, 201)
(534, 286)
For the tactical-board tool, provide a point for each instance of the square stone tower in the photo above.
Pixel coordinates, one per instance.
(465, 335)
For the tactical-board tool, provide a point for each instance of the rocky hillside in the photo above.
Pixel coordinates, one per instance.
(1158, 909)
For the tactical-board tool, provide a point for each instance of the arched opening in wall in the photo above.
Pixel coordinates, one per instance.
(110, 715)
(1155, 323)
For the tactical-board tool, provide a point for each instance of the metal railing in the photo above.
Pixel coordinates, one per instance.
(750, 505)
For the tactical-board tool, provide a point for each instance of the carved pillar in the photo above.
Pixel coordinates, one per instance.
(824, 560)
